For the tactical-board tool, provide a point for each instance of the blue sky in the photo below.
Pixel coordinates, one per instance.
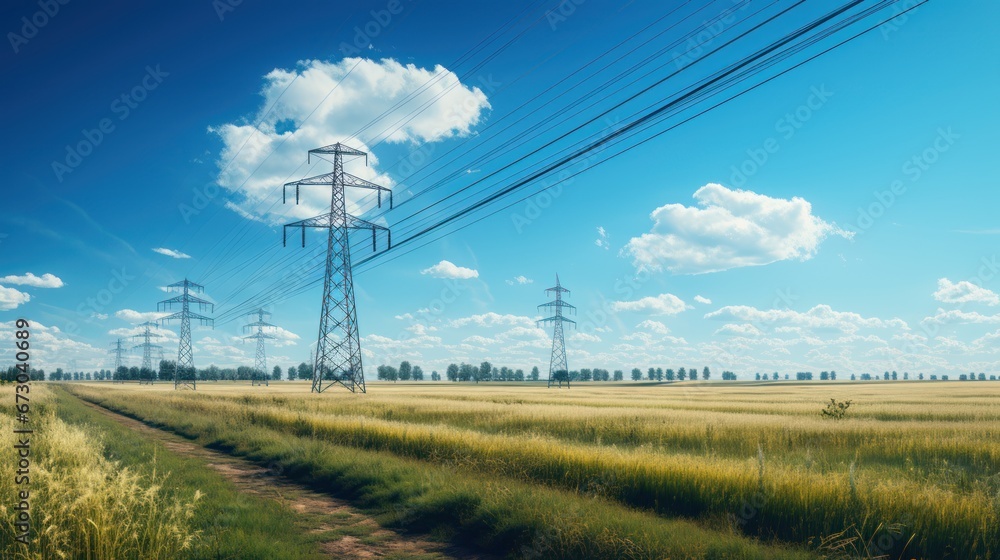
(763, 235)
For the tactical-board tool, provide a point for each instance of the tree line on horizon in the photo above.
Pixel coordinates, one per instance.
(463, 372)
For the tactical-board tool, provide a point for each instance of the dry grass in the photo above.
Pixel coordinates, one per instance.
(920, 458)
(84, 506)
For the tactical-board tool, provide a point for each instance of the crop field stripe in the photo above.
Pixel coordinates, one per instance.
(497, 513)
(800, 505)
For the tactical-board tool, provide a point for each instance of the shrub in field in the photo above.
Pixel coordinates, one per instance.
(836, 410)
(85, 506)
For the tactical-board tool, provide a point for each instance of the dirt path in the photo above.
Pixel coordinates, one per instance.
(348, 533)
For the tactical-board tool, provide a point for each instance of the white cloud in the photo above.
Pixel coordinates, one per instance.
(520, 280)
(730, 229)
(953, 316)
(492, 319)
(133, 316)
(11, 298)
(602, 239)
(326, 102)
(52, 348)
(703, 300)
(171, 253)
(745, 329)
(653, 326)
(28, 279)
(447, 269)
(819, 317)
(584, 337)
(959, 292)
(663, 304)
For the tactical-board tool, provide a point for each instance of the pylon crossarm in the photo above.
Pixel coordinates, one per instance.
(337, 148)
(259, 335)
(557, 318)
(191, 286)
(558, 303)
(165, 304)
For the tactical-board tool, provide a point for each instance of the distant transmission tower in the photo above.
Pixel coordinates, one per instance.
(558, 368)
(260, 375)
(146, 375)
(185, 376)
(118, 350)
(338, 348)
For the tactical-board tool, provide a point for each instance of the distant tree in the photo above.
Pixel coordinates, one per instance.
(906, 376)
(786, 377)
(982, 377)
(561, 376)
(651, 374)
(534, 373)
(636, 374)
(706, 373)
(894, 375)
(885, 376)
(465, 372)
(417, 374)
(833, 375)
(305, 371)
(485, 372)
(435, 376)
(405, 370)
(681, 374)
(758, 376)
(853, 377)
(659, 374)
(670, 374)
(824, 376)
(519, 375)
(276, 373)
(292, 373)
(775, 376)
(167, 368)
(586, 374)
(452, 372)
(619, 375)
(920, 376)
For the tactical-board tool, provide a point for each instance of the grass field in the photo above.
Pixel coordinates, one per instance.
(628, 470)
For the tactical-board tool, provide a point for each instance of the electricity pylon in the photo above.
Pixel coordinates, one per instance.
(260, 375)
(558, 368)
(185, 376)
(338, 347)
(146, 375)
(118, 350)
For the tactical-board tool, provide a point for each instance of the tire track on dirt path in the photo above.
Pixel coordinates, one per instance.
(342, 531)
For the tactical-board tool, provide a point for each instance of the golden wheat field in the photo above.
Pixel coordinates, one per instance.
(630, 470)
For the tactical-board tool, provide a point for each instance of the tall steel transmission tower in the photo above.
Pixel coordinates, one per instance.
(185, 375)
(146, 374)
(118, 350)
(558, 368)
(260, 375)
(338, 347)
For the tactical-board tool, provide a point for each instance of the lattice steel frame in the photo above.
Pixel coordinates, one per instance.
(558, 366)
(118, 350)
(147, 353)
(338, 346)
(260, 375)
(185, 375)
